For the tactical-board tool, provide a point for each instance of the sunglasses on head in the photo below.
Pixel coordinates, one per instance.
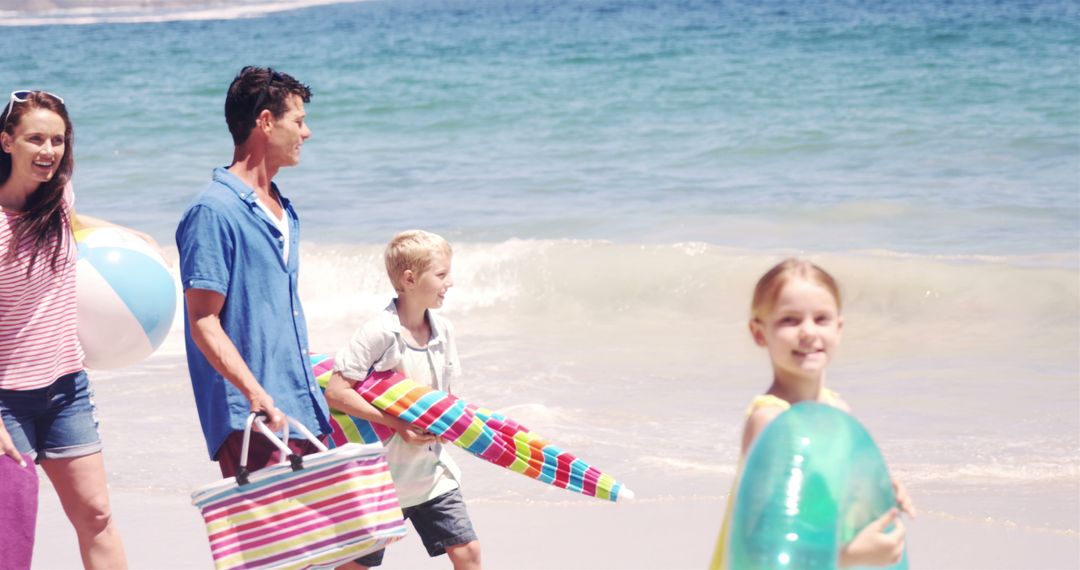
(264, 93)
(22, 96)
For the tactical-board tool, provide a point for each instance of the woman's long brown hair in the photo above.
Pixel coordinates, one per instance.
(44, 217)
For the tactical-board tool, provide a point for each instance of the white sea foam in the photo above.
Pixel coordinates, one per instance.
(711, 468)
(598, 277)
(163, 12)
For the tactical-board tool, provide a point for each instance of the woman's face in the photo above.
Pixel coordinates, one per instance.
(36, 146)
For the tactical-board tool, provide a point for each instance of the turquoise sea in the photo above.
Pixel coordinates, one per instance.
(924, 127)
(614, 175)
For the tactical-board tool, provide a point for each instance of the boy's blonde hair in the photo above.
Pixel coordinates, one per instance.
(768, 287)
(412, 250)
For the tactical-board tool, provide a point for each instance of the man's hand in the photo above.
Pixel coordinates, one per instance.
(262, 402)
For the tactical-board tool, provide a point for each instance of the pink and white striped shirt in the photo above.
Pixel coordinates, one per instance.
(38, 320)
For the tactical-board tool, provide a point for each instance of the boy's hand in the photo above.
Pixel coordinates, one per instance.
(873, 546)
(416, 436)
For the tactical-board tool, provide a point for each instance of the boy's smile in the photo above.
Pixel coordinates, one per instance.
(434, 282)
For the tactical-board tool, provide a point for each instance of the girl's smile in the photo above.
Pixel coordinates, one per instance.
(801, 331)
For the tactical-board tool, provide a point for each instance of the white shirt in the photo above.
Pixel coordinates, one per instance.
(282, 224)
(420, 472)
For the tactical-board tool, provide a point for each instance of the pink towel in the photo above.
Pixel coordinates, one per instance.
(18, 512)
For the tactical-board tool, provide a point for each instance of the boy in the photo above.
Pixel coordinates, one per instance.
(408, 337)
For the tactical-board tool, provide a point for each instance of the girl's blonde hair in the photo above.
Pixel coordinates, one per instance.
(412, 250)
(768, 287)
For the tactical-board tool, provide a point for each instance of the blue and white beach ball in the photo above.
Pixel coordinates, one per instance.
(126, 297)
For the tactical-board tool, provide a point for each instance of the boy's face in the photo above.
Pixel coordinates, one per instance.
(431, 286)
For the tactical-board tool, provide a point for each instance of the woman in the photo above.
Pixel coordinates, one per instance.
(45, 396)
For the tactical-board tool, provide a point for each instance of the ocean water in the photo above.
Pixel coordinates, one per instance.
(614, 176)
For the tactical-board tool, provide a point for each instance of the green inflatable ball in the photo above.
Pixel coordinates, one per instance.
(813, 479)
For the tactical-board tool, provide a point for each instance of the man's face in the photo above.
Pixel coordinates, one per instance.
(288, 133)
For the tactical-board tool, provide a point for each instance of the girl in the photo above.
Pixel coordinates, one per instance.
(795, 316)
(45, 397)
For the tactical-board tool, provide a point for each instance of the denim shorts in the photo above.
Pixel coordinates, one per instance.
(440, 522)
(58, 421)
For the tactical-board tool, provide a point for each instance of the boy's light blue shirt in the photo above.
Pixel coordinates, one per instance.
(230, 246)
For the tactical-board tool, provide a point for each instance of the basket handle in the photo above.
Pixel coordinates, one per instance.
(287, 456)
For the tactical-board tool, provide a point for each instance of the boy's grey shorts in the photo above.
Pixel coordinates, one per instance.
(440, 522)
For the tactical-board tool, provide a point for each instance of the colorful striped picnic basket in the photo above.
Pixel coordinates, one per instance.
(319, 510)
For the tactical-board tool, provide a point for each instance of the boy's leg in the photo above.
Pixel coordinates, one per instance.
(465, 556)
(444, 526)
(364, 562)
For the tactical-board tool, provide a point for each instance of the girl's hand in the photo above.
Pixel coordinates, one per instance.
(873, 546)
(7, 447)
(903, 500)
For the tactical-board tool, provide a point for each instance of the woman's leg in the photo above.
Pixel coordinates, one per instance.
(80, 484)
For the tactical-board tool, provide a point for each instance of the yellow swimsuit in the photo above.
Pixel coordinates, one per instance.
(719, 560)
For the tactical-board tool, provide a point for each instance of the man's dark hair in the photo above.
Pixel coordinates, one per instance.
(255, 89)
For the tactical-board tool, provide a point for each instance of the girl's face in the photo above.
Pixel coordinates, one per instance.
(801, 331)
(36, 147)
(431, 286)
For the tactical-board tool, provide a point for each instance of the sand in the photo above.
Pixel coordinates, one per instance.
(163, 531)
(155, 458)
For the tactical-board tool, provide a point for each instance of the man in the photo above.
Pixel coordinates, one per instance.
(247, 345)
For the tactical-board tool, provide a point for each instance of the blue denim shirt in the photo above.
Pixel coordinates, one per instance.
(230, 246)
